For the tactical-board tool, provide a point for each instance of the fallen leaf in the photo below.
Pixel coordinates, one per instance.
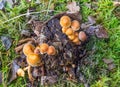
(25, 33)
(0, 77)
(72, 7)
(101, 32)
(116, 3)
(2, 3)
(91, 19)
(13, 72)
(7, 42)
(111, 66)
(107, 61)
(16, 64)
(91, 30)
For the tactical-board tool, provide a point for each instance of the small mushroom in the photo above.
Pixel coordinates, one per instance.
(69, 31)
(28, 48)
(76, 34)
(72, 37)
(76, 40)
(34, 60)
(75, 25)
(43, 48)
(82, 36)
(65, 21)
(64, 29)
(20, 72)
(51, 50)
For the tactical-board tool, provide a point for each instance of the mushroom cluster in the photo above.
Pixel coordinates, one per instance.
(71, 28)
(45, 48)
(57, 49)
(33, 57)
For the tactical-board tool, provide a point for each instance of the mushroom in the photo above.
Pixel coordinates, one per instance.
(76, 40)
(20, 72)
(51, 50)
(75, 25)
(34, 60)
(76, 34)
(64, 29)
(43, 48)
(37, 50)
(72, 37)
(82, 36)
(65, 21)
(69, 31)
(28, 49)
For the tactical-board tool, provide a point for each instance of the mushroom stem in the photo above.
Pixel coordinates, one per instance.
(30, 74)
(26, 68)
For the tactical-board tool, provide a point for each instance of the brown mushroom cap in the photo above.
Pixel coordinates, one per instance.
(20, 72)
(28, 49)
(82, 36)
(75, 25)
(65, 21)
(34, 60)
(51, 50)
(69, 31)
(43, 48)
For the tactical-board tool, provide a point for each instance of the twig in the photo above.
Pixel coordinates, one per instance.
(25, 15)
(25, 40)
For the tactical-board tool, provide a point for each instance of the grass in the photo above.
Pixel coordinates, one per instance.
(96, 74)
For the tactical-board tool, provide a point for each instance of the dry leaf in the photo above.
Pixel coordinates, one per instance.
(73, 8)
(91, 19)
(7, 42)
(101, 32)
(116, 3)
(107, 61)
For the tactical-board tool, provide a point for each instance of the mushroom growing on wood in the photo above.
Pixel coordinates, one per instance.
(43, 48)
(64, 29)
(75, 25)
(72, 37)
(82, 36)
(51, 50)
(34, 60)
(28, 49)
(69, 31)
(65, 21)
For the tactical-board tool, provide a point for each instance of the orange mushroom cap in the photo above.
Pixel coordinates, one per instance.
(69, 31)
(28, 49)
(76, 34)
(75, 25)
(65, 21)
(82, 36)
(72, 37)
(64, 29)
(34, 60)
(43, 48)
(51, 50)
(76, 40)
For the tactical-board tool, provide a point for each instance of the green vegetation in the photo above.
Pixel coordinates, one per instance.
(12, 22)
